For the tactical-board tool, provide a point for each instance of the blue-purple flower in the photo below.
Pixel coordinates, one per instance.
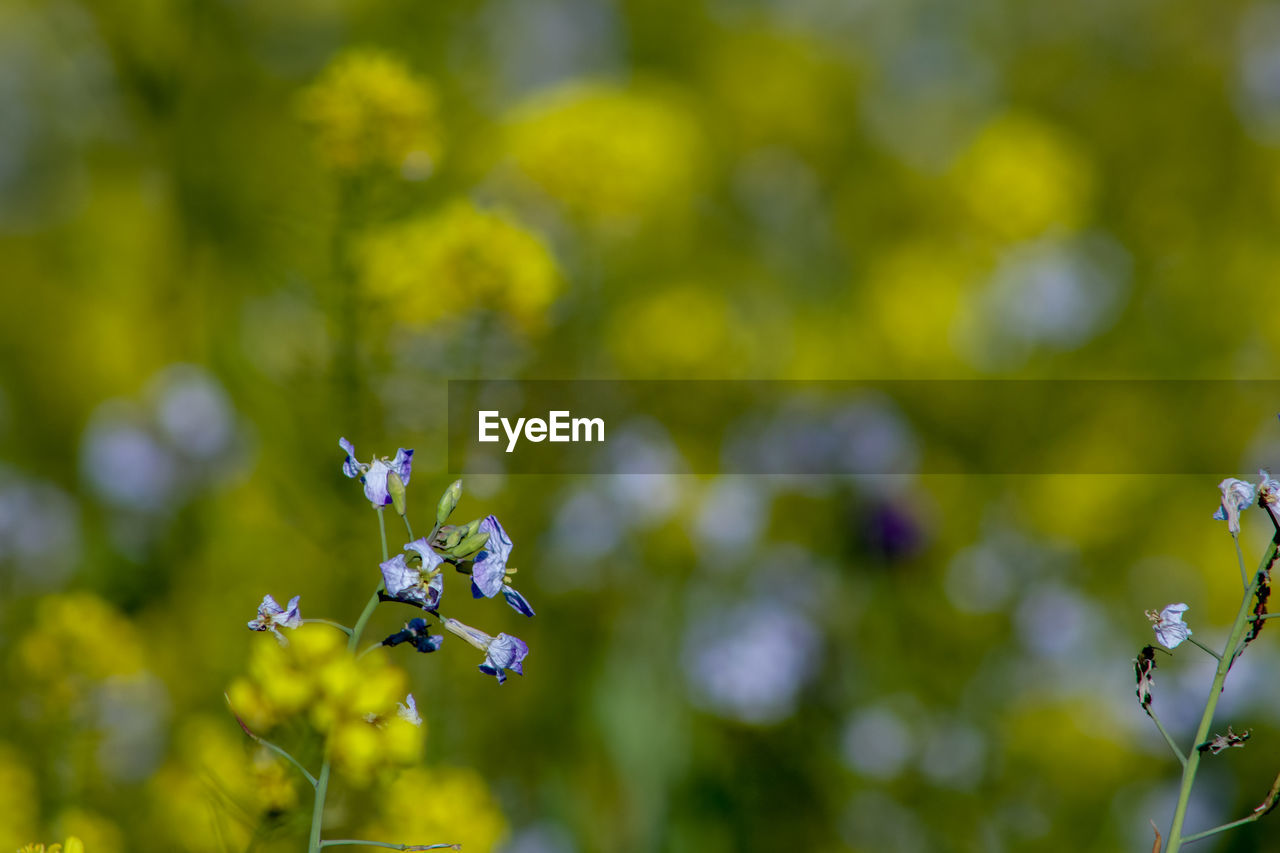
(271, 617)
(1236, 496)
(416, 633)
(489, 571)
(501, 653)
(1169, 627)
(374, 474)
(419, 585)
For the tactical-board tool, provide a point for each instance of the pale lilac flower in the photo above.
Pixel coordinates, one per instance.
(489, 571)
(1236, 496)
(410, 711)
(501, 653)
(1169, 627)
(412, 584)
(374, 474)
(272, 616)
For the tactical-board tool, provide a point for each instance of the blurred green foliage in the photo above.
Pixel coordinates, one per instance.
(231, 232)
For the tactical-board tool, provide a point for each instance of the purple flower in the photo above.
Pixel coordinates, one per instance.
(489, 572)
(272, 616)
(501, 653)
(375, 473)
(1169, 627)
(418, 585)
(416, 632)
(1236, 495)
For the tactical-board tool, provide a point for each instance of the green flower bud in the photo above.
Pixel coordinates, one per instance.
(395, 488)
(448, 501)
(470, 545)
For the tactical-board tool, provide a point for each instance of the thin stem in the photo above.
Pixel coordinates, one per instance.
(269, 745)
(343, 628)
(1182, 759)
(1263, 616)
(348, 841)
(1196, 642)
(1238, 628)
(1244, 574)
(369, 649)
(322, 783)
(409, 527)
(1241, 822)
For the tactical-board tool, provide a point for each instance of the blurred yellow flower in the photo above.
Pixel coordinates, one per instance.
(609, 155)
(679, 331)
(99, 833)
(459, 259)
(440, 805)
(369, 110)
(218, 785)
(77, 639)
(19, 798)
(73, 845)
(1022, 176)
(354, 702)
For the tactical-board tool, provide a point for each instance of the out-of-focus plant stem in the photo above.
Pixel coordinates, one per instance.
(1229, 653)
(322, 781)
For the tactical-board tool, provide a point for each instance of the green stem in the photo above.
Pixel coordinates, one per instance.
(1193, 641)
(1189, 769)
(322, 783)
(1241, 822)
(1182, 759)
(1244, 574)
(409, 527)
(269, 745)
(348, 841)
(343, 628)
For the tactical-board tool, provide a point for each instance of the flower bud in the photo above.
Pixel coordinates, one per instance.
(395, 488)
(470, 545)
(448, 502)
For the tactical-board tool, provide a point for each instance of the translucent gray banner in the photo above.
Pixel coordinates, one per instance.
(1215, 428)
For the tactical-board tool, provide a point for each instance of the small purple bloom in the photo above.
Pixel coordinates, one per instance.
(501, 653)
(490, 569)
(1169, 627)
(374, 474)
(416, 633)
(1236, 496)
(489, 572)
(272, 616)
(409, 583)
(506, 652)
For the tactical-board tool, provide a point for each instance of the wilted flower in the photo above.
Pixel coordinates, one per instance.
(409, 712)
(271, 616)
(1169, 627)
(489, 573)
(374, 474)
(419, 585)
(415, 632)
(1220, 742)
(1269, 494)
(1143, 668)
(501, 653)
(1236, 495)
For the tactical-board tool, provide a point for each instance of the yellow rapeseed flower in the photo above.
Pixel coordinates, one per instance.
(369, 110)
(73, 845)
(459, 259)
(1022, 176)
(608, 154)
(440, 805)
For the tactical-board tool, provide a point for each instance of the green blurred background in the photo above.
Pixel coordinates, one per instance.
(231, 232)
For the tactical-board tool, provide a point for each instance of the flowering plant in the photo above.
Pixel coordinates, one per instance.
(361, 708)
(1171, 631)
